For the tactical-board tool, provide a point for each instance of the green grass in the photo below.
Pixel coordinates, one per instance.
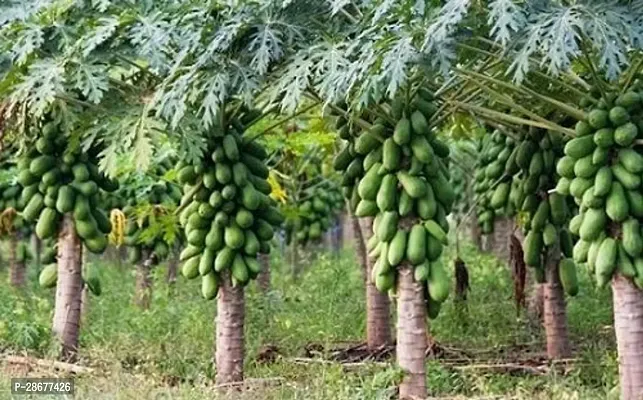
(166, 352)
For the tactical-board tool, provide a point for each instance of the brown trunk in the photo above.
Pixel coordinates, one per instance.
(359, 240)
(518, 272)
(294, 258)
(555, 314)
(536, 302)
(172, 266)
(143, 294)
(66, 325)
(411, 335)
(229, 350)
(122, 256)
(487, 243)
(264, 275)
(500, 240)
(628, 324)
(17, 267)
(378, 307)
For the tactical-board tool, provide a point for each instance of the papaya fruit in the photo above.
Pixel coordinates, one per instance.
(580, 147)
(48, 276)
(190, 268)
(568, 277)
(47, 224)
(631, 239)
(209, 285)
(397, 248)
(224, 259)
(438, 283)
(606, 259)
(416, 245)
(402, 132)
(616, 205)
(387, 193)
(415, 187)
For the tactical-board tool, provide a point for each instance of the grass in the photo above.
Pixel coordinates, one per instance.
(166, 352)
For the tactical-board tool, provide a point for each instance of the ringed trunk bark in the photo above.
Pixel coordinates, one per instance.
(558, 345)
(16, 264)
(411, 334)
(66, 325)
(378, 320)
(144, 281)
(264, 275)
(628, 324)
(229, 350)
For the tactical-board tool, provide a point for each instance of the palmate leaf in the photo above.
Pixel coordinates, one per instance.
(151, 36)
(215, 95)
(102, 31)
(266, 47)
(505, 19)
(12, 10)
(44, 80)
(28, 39)
(613, 29)
(91, 80)
(395, 63)
(451, 14)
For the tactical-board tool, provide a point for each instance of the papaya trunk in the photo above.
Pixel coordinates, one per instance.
(628, 324)
(36, 245)
(338, 235)
(500, 241)
(411, 334)
(487, 243)
(347, 227)
(229, 350)
(172, 267)
(69, 288)
(558, 345)
(144, 281)
(16, 264)
(264, 274)
(378, 320)
(294, 258)
(359, 240)
(122, 256)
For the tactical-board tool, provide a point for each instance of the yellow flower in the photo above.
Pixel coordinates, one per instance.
(277, 192)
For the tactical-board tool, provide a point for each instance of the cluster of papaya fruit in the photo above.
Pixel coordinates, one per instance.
(398, 173)
(544, 212)
(602, 169)
(149, 206)
(494, 170)
(59, 179)
(315, 214)
(228, 217)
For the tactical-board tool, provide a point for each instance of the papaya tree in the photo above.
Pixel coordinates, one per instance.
(151, 228)
(13, 226)
(592, 54)
(301, 154)
(73, 106)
